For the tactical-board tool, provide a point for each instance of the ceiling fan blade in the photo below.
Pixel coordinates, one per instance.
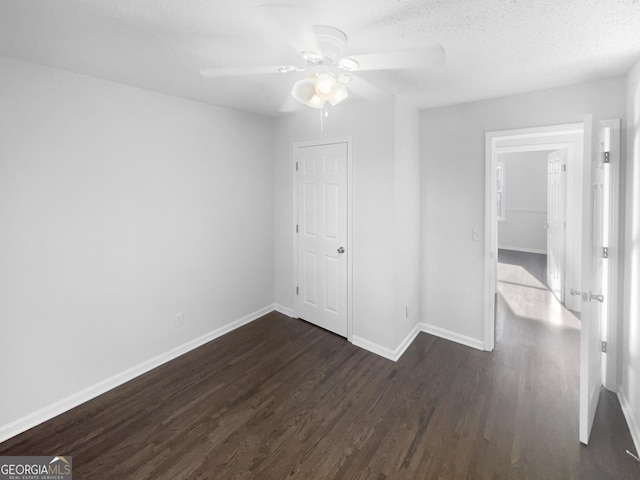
(237, 71)
(367, 90)
(291, 24)
(402, 59)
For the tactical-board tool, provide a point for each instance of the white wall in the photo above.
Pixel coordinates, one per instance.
(383, 214)
(629, 391)
(120, 207)
(525, 198)
(452, 145)
(406, 248)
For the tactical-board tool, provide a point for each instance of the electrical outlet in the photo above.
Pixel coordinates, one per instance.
(476, 234)
(179, 319)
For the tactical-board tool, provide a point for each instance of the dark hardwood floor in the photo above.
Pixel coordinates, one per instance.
(280, 398)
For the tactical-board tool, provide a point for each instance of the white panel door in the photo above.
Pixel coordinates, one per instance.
(322, 236)
(592, 273)
(556, 221)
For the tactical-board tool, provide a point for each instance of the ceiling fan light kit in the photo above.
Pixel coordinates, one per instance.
(317, 89)
(324, 85)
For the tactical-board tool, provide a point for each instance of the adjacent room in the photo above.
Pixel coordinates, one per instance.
(299, 239)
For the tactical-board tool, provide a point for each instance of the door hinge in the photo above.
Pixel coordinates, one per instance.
(297, 290)
(296, 228)
(604, 347)
(605, 252)
(296, 166)
(606, 157)
(563, 168)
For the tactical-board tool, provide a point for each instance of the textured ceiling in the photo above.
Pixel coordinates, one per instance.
(493, 47)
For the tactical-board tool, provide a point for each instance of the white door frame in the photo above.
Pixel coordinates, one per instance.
(349, 252)
(492, 139)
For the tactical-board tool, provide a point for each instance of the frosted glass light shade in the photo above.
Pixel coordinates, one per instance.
(326, 86)
(304, 90)
(341, 94)
(315, 102)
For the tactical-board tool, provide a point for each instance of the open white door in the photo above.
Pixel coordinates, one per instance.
(556, 221)
(592, 272)
(322, 235)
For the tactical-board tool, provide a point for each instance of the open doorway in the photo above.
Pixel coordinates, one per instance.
(531, 209)
(531, 191)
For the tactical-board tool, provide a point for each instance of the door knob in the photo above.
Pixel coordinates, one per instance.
(341, 250)
(584, 295)
(599, 297)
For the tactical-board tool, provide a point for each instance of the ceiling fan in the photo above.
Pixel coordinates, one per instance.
(325, 72)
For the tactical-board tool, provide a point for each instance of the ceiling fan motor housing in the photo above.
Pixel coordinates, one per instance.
(331, 42)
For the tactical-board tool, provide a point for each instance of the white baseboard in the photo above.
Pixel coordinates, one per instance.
(454, 337)
(406, 343)
(283, 310)
(394, 355)
(385, 352)
(373, 347)
(632, 421)
(522, 249)
(42, 415)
